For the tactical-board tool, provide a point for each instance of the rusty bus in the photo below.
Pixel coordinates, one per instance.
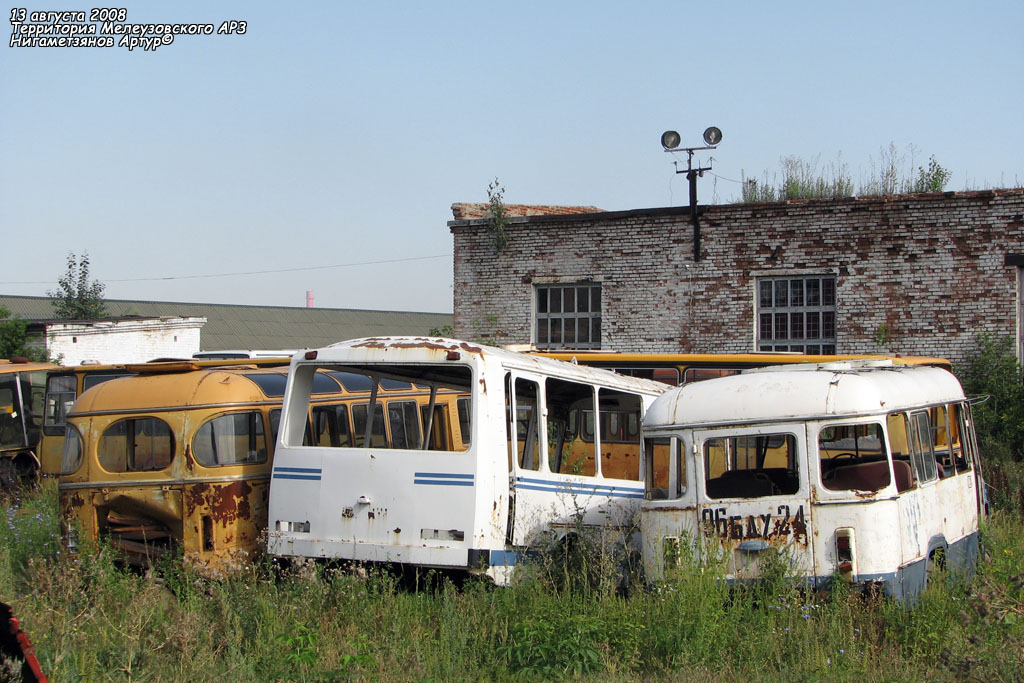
(545, 446)
(174, 455)
(862, 471)
(21, 416)
(180, 455)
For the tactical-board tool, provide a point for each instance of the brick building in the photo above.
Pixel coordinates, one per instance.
(911, 274)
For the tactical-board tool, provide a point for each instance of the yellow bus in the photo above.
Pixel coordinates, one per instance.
(21, 415)
(65, 384)
(175, 455)
(682, 368)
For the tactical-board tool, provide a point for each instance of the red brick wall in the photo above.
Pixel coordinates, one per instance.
(929, 267)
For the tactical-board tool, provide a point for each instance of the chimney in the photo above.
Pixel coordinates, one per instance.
(309, 298)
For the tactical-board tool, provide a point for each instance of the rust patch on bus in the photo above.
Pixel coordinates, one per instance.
(418, 343)
(226, 503)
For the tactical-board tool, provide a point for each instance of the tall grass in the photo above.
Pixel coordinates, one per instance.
(896, 172)
(92, 621)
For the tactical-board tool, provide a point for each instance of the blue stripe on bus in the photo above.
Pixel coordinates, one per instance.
(444, 475)
(442, 479)
(306, 473)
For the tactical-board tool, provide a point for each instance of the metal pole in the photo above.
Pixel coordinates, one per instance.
(691, 175)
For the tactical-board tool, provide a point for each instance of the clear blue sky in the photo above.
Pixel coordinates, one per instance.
(340, 133)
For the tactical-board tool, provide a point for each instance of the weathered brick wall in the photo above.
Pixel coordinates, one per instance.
(931, 268)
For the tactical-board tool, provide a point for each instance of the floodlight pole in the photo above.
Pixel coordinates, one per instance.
(691, 175)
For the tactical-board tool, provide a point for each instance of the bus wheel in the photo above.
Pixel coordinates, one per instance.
(26, 469)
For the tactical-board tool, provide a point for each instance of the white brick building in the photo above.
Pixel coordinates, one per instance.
(113, 340)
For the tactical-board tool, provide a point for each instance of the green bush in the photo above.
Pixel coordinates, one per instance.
(993, 371)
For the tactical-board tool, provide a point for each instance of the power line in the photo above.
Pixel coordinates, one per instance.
(251, 272)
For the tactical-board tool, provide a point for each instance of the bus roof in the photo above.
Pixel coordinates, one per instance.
(18, 365)
(180, 390)
(806, 391)
(413, 350)
(744, 360)
(237, 354)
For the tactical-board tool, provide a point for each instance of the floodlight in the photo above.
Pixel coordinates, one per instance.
(670, 139)
(712, 136)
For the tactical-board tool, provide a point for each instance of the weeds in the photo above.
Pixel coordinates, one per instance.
(802, 179)
(92, 620)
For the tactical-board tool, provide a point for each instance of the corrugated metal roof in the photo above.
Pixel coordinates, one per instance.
(257, 327)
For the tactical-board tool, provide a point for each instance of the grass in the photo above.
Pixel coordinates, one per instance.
(92, 621)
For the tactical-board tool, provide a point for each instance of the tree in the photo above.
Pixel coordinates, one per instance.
(13, 338)
(76, 298)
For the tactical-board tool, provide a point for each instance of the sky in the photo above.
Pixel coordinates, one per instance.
(322, 149)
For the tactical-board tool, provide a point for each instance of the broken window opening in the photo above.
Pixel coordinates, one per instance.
(751, 466)
(568, 452)
(853, 457)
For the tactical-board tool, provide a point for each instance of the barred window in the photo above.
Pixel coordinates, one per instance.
(569, 316)
(797, 314)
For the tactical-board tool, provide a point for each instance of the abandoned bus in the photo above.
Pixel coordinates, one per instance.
(542, 446)
(65, 384)
(176, 455)
(864, 470)
(682, 368)
(21, 414)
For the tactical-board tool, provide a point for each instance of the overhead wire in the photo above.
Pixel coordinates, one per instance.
(250, 272)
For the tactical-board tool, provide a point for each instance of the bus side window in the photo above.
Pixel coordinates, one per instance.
(619, 419)
(897, 425)
(404, 423)
(232, 439)
(377, 437)
(330, 427)
(135, 445)
(658, 454)
(853, 457)
(465, 425)
(958, 433)
(941, 441)
(437, 439)
(527, 424)
(60, 396)
(923, 451)
(275, 423)
(568, 453)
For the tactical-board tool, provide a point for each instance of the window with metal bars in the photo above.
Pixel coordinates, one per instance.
(797, 314)
(568, 316)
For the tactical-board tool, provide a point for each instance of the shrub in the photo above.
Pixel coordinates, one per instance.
(992, 370)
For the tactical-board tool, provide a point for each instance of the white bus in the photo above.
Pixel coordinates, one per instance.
(446, 484)
(861, 471)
